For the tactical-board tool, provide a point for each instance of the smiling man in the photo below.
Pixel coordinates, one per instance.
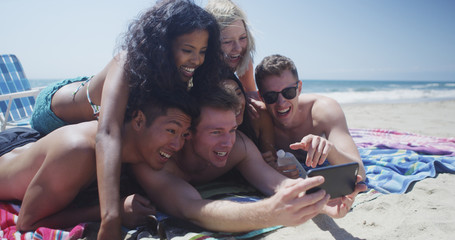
(309, 122)
(215, 147)
(48, 174)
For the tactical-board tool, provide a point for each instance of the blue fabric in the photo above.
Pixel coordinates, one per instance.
(43, 118)
(12, 80)
(393, 170)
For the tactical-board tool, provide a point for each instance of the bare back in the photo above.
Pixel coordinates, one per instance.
(75, 108)
(18, 167)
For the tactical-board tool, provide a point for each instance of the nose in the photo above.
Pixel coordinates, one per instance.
(196, 59)
(236, 46)
(228, 140)
(280, 99)
(177, 143)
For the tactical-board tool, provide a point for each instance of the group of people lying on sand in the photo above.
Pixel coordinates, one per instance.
(178, 107)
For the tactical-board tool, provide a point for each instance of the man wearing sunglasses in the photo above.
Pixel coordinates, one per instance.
(313, 123)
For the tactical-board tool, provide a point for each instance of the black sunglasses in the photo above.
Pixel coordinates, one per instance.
(288, 93)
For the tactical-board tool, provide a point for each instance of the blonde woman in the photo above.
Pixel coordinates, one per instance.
(237, 42)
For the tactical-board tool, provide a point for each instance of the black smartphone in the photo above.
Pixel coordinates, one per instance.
(339, 179)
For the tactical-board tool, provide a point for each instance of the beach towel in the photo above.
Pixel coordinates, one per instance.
(394, 160)
(391, 139)
(394, 170)
(8, 219)
(172, 228)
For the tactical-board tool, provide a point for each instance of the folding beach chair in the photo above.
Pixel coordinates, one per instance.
(16, 96)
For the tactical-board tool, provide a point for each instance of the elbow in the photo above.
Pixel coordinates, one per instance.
(105, 133)
(24, 225)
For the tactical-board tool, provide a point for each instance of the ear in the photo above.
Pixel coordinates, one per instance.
(300, 88)
(139, 121)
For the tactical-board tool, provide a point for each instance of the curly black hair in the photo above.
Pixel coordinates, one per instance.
(149, 39)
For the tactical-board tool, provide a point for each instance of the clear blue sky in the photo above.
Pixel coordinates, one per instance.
(327, 39)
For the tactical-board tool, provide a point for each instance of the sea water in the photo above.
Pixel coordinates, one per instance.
(368, 91)
(349, 91)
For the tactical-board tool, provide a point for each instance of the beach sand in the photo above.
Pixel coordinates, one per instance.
(427, 211)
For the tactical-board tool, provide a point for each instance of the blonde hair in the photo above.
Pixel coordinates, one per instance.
(226, 12)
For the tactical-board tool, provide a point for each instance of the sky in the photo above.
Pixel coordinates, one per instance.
(327, 39)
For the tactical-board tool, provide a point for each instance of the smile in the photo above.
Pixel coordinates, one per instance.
(165, 155)
(234, 57)
(221, 154)
(284, 111)
(188, 70)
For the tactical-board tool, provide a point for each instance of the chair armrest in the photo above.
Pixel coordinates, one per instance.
(34, 92)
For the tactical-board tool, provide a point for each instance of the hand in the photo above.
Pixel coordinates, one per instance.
(289, 171)
(291, 206)
(136, 208)
(269, 158)
(254, 104)
(110, 230)
(317, 147)
(339, 207)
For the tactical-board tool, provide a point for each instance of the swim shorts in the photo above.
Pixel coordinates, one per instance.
(43, 119)
(16, 137)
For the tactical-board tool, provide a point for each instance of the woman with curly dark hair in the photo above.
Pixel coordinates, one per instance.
(167, 47)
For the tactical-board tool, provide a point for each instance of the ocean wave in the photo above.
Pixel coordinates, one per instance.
(399, 95)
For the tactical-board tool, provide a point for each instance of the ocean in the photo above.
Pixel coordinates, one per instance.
(348, 91)
(355, 91)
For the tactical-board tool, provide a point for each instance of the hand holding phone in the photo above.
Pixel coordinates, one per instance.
(339, 180)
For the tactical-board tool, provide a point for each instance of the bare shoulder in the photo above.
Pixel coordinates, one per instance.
(75, 137)
(323, 108)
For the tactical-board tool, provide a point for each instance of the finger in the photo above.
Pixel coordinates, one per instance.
(292, 174)
(297, 146)
(325, 153)
(318, 152)
(301, 185)
(268, 157)
(252, 111)
(310, 154)
(313, 209)
(303, 144)
(141, 200)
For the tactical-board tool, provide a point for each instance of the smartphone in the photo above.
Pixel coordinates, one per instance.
(339, 179)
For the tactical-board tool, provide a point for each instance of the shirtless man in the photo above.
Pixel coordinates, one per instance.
(215, 147)
(48, 174)
(309, 122)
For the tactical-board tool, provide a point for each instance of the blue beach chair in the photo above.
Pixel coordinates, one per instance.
(16, 96)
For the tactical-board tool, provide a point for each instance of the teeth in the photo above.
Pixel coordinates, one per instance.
(235, 56)
(189, 69)
(221, 154)
(165, 154)
(283, 111)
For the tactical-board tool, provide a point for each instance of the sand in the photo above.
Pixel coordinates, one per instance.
(427, 211)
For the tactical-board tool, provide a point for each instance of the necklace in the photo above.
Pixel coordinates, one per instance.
(190, 84)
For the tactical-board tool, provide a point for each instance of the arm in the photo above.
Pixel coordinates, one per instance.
(263, 127)
(247, 79)
(108, 148)
(178, 198)
(338, 146)
(265, 132)
(344, 149)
